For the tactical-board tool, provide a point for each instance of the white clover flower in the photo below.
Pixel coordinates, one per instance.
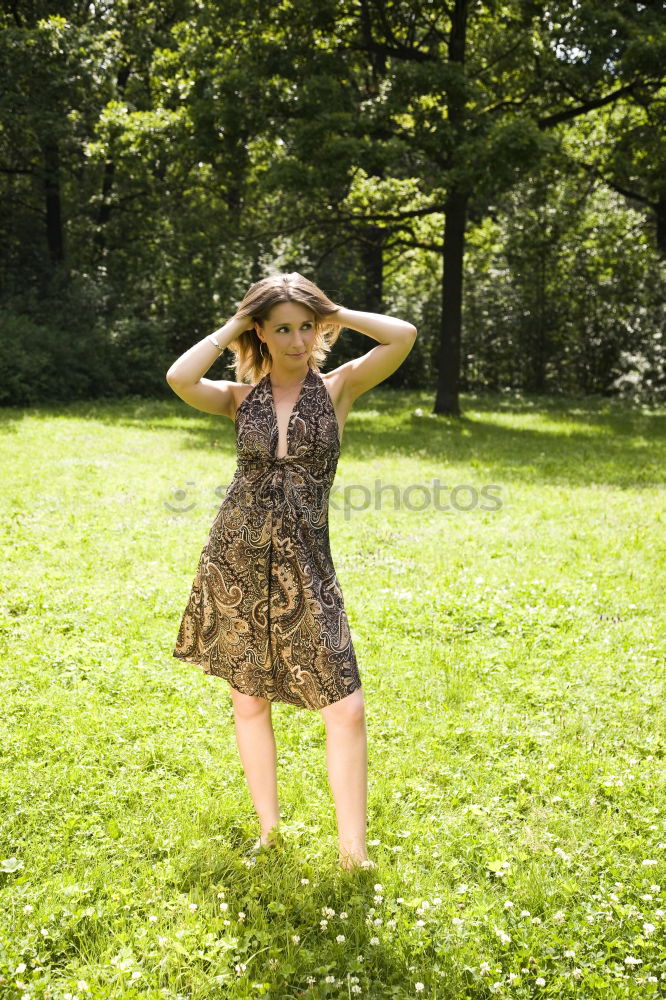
(295, 938)
(193, 907)
(524, 913)
(391, 923)
(648, 861)
(82, 986)
(420, 923)
(419, 987)
(162, 941)
(224, 906)
(374, 940)
(28, 908)
(328, 979)
(630, 960)
(540, 981)
(570, 954)
(436, 901)
(323, 924)
(536, 920)
(400, 900)
(241, 915)
(495, 987)
(576, 973)
(512, 977)
(152, 918)
(340, 938)
(379, 887)
(457, 922)
(559, 916)
(356, 988)
(305, 881)
(378, 922)
(508, 905)
(484, 968)
(648, 929)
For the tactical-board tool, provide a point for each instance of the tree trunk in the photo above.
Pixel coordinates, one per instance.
(447, 400)
(455, 215)
(660, 210)
(372, 255)
(54, 235)
(104, 212)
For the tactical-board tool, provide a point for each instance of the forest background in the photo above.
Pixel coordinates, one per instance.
(494, 173)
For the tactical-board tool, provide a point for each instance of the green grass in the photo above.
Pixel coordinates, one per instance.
(513, 667)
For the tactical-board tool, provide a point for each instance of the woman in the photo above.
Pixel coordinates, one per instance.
(266, 612)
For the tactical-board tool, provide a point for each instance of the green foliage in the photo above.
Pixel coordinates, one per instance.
(164, 156)
(564, 290)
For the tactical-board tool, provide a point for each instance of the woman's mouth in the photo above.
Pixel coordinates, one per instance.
(297, 355)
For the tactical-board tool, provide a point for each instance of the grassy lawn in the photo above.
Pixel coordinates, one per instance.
(512, 658)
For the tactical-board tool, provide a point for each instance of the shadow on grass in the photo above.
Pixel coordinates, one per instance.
(577, 441)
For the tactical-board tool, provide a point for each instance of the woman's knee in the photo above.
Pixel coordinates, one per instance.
(346, 711)
(248, 706)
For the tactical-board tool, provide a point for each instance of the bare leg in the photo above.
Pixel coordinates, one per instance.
(256, 745)
(347, 759)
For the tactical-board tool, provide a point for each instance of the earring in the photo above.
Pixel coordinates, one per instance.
(261, 349)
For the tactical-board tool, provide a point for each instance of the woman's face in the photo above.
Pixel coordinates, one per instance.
(289, 333)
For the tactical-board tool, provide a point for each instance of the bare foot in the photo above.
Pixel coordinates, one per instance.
(348, 862)
(269, 838)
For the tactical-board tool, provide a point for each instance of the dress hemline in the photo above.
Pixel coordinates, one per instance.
(252, 694)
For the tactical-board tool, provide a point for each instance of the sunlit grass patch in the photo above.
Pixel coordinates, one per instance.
(513, 668)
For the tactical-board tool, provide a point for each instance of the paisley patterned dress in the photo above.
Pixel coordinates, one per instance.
(265, 610)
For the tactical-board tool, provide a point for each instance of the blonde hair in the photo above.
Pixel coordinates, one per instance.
(252, 359)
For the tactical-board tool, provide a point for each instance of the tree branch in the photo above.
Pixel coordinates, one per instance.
(597, 102)
(634, 195)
